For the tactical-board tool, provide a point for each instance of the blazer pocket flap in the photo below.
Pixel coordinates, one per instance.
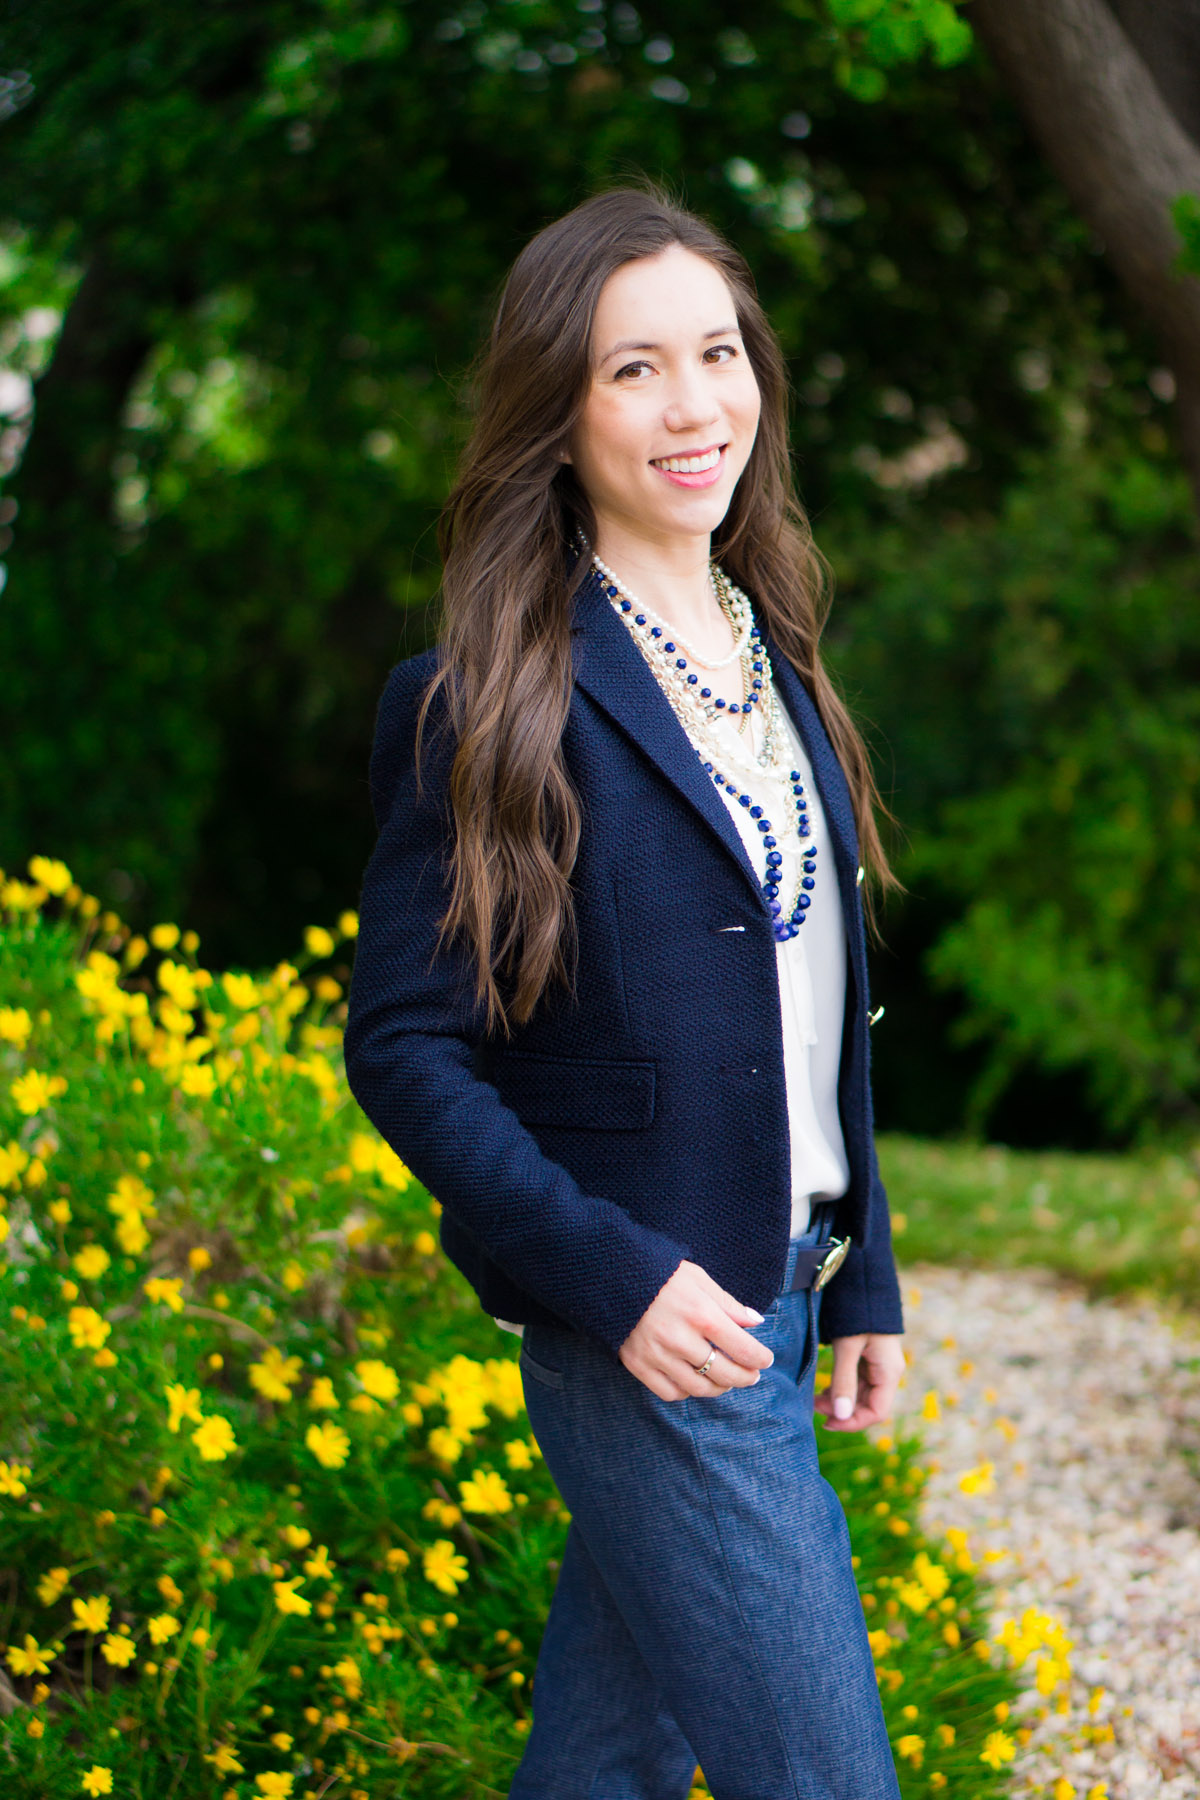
(576, 1093)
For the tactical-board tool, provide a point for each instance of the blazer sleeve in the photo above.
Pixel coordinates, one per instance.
(411, 1034)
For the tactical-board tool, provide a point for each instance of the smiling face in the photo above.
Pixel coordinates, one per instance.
(670, 418)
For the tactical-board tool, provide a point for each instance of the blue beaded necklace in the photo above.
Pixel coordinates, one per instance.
(696, 707)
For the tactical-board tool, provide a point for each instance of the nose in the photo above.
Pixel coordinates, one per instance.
(691, 405)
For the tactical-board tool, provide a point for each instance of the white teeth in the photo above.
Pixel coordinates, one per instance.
(689, 465)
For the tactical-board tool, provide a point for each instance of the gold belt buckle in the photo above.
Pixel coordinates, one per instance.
(839, 1248)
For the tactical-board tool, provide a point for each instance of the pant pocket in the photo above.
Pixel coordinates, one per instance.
(537, 1366)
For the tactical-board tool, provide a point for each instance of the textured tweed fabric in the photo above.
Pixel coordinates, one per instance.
(641, 1119)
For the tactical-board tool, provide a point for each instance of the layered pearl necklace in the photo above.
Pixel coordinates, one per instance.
(697, 708)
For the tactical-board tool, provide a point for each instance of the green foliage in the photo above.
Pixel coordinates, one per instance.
(262, 1512)
(1185, 215)
(1036, 679)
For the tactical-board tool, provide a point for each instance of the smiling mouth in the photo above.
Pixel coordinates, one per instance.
(695, 464)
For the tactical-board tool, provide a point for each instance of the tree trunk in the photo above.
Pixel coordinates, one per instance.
(1116, 137)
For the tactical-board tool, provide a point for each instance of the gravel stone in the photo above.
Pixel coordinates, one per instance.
(1089, 1412)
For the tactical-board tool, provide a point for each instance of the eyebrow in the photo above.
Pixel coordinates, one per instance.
(628, 344)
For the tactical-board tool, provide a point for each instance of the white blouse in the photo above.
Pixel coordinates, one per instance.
(811, 968)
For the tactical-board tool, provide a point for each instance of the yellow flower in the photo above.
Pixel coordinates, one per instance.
(162, 1290)
(911, 1748)
(198, 1081)
(91, 1261)
(162, 1627)
(297, 1537)
(29, 1658)
(931, 1406)
(293, 1277)
(998, 1748)
(318, 941)
(15, 1026)
(486, 1492)
(1063, 1789)
(282, 1740)
(97, 1780)
(241, 991)
(91, 1615)
(32, 1091)
(424, 1243)
(223, 1760)
(119, 1651)
(54, 876)
(52, 1584)
(276, 1375)
(287, 1600)
(321, 1396)
(88, 1330)
(318, 1565)
(378, 1379)
(945, 1735)
(60, 1213)
(184, 1403)
(444, 1566)
(170, 1590)
(328, 1443)
(518, 1454)
(445, 1444)
(348, 924)
(12, 1478)
(164, 937)
(200, 1636)
(274, 1786)
(199, 1259)
(214, 1438)
(977, 1481)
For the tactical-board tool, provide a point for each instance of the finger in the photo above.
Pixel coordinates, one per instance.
(843, 1391)
(736, 1309)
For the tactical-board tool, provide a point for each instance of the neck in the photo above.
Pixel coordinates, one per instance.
(671, 575)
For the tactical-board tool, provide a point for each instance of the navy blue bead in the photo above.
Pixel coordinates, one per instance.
(743, 799)
(756, 812)
(763, 825)
(803, 902)
(796, 775)
(720, 703)
(655, 632)
(774, 860)
(706, 693)
(626, 606)
(680, 663)
(770, 842)
(810, 868)
(803, 830)
(668, 648)
(692, 680)
(775, 907)
(640, 619)
(806, 881)
(612, 593)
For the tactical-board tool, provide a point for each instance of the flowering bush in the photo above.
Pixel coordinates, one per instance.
(272, 1521)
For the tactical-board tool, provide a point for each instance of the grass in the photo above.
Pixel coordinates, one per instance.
(1119, 1224)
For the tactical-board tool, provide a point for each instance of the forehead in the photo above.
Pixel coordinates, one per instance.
(662, 299)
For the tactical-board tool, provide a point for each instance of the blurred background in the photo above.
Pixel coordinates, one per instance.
(247, 253)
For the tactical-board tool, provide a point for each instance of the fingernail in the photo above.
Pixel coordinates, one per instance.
(756, 1316)
(843, 1406)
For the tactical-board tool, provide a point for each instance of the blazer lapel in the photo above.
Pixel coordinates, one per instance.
(609, 665)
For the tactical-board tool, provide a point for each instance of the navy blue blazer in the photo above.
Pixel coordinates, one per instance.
(644, 1120)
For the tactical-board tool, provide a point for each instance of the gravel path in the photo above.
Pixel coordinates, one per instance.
(1089, 1413)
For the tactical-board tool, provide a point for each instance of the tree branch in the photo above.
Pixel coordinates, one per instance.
(1119, 149)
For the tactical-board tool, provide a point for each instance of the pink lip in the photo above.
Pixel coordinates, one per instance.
(705, 478)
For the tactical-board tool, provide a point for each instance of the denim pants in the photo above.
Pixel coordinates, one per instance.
(706, 1610)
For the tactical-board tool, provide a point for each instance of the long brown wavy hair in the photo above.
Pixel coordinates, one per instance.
(505, 647)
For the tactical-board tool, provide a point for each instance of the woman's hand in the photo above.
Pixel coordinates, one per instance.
(674, 1335)
(866, 1374)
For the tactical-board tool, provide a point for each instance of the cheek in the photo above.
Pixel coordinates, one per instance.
(609, 440)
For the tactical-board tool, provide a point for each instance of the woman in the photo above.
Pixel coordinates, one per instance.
(609, 1004)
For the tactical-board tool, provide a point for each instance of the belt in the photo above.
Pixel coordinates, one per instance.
(817, 1264)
